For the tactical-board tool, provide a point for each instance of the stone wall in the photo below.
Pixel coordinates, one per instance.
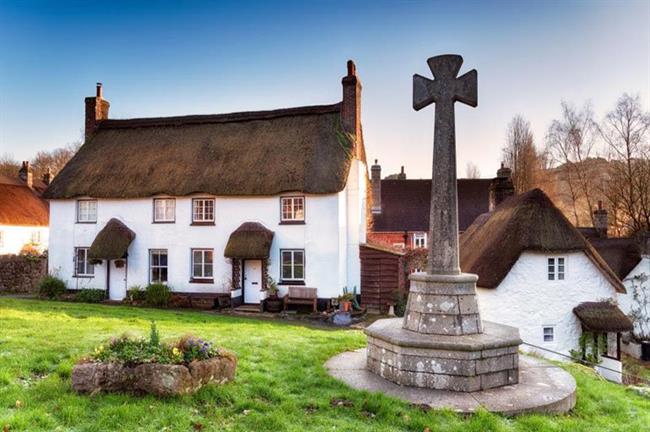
(20, 274)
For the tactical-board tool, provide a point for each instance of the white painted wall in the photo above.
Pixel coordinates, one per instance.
(334, 226)
(14, 237)
(528, 300)
(625, 301)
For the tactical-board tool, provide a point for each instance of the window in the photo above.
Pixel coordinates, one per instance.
(201, 263)
(420, 240)
(293, 265)
(158, 265)
(164, 209)
(36, 237)
(556, 268)
(549, 333)
(293, 209)
(203, 210)
(81, 264)
(87, 211)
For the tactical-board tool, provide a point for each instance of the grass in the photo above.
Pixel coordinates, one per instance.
(281, 383)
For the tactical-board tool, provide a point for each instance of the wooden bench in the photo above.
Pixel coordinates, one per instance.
(301, 295)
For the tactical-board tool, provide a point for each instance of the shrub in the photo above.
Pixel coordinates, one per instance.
(158, 294)
(90, 295)
(400, 303)
(136, 294)
(154, 336)
(51, 287)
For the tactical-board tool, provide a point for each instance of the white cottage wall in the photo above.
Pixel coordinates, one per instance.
(14, 237)
(528, 300)
(635, 277)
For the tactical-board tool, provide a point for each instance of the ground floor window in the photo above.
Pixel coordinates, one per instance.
(549, 333)
(158, 265)
(293, 265)
(202, 262)
(82, 266)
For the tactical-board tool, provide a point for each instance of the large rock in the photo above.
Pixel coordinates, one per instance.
(153, 378)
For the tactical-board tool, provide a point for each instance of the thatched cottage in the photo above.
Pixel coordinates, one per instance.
(215, 203)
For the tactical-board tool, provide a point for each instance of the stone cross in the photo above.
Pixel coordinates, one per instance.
(444, 90)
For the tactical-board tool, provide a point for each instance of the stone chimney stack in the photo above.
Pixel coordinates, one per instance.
(96, 111)
(351, 105)
(375, 179)
(402, 174)
(501, 187)
(25, 174)
(47, 177)
(645, 244)
(601, 220)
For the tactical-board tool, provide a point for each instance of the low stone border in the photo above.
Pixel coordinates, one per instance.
(153, 378)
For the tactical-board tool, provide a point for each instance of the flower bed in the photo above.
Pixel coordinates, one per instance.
(149, 366)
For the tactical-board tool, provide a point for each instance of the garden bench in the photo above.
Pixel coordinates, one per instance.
(301, 295)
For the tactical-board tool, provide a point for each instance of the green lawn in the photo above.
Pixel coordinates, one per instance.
(281, 383)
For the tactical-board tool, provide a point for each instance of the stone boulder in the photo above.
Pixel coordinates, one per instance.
(153, 378)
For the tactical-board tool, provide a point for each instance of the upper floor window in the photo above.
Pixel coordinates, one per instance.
(36, 237)
(420, 240)
(203, 210)
(158, 265)
(82, 265)
(293, 265)
(164, 209)
(202, 261)
(293, 209)
(87, 211)
(556, 268)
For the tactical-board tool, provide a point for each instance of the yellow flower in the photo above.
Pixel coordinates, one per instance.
(176, 351)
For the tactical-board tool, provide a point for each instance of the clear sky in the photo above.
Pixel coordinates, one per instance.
(172, 58)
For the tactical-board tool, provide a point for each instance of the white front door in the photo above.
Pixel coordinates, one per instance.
(117, 281)
(252, 281)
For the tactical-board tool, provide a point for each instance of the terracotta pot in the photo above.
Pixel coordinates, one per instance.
(345, 305)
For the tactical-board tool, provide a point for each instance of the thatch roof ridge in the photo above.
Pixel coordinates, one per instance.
(218, 118)
(526, 222)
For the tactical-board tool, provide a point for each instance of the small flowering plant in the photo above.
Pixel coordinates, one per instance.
(132, 351)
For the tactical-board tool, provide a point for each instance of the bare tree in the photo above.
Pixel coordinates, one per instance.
(8, 165)
(570, 143)
(54, 160)
(472, 171)
(625, 133)
(520, 154)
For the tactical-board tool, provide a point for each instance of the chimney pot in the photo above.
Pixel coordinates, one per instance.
(25, 174)
(47, 177)
(352, 68)
(99, 90)
(601, 220)
(402, 174)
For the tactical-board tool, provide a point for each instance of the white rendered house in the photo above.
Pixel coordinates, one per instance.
(539, 274)
(214, 203)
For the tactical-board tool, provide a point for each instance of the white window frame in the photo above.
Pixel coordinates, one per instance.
(168, 211)
(88, 268)
(417, 237)
(293, 208)
(87, 216)
(201, 215)
(550, 334)
(36, 237)
(292, 265)
(159, 266)
(204, 265)
(556, 268)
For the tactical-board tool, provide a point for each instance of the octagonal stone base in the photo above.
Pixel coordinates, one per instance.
(465, 363)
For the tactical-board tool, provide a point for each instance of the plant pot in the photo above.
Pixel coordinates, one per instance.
(345, 306)
(273, 304)
(119, 263)
(645, 350)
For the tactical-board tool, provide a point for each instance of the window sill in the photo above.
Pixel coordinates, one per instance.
(163, 222)
(292, 283)
(87, 222)
(202, 281)
(83, 276)
(202, 224)
(292, 222)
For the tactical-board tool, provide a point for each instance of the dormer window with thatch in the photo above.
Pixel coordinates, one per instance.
(87, 211)
(203, 211)
(164, 210)
(556, 268)
(292, 210)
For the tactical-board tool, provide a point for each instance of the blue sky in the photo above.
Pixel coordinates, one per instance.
(171, 58)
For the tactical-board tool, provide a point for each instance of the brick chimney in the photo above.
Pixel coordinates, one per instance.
(25, 174)
(402, 174)
(47, 177)
(501, 187)
(375, 179)
(96, 111)
(601, 220)
(351, 105)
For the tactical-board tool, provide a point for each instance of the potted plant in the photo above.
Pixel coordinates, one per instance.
(345, 301)
(119, 263)
(273, 303)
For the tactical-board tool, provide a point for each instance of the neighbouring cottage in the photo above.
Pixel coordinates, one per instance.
(401, 207)
(215, 204)
(24, 215)
(538, 273)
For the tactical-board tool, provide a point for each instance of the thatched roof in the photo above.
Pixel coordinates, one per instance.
(251, 153)
(251, 240)
(602, 317)
(527, 222)
(112, 242)
(20, 205)
(621, 254)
